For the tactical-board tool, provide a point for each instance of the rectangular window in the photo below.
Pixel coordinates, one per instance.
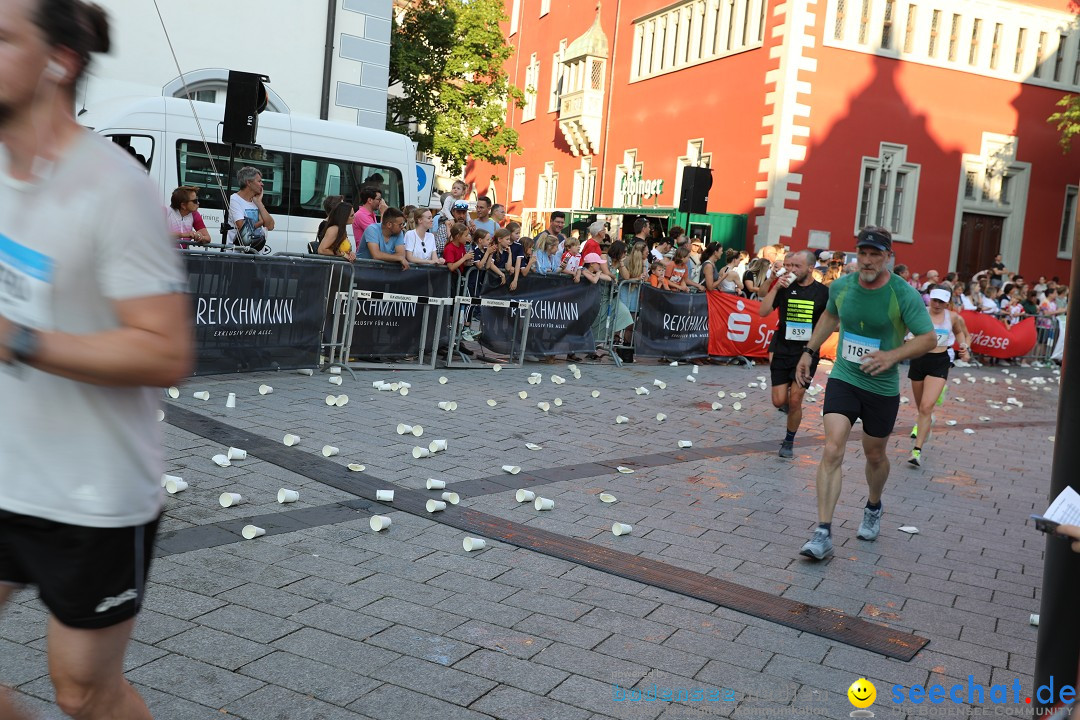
(1059, 57)
(887, 192)
(896, 218)
(1021, 38)
(973, 51)
(1004, 189)
(995, 47)
(316, 178)
(1068, 223)
(909, 30)
(864, 22)
(532, 80)
(558, 80)
(730, 25)
(969, 184)
(838, 29)
(865, 196)
(194, 167)
(205, 96)
(140, 147)
(935, 27)
(1040, 56)
(887, 25)
(515, 16)
(1076, 67)
(517, 187)
(545, 7)
(746, 23)
(954, 37)
(761, 21)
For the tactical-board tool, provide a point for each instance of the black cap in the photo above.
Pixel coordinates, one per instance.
(870, 238)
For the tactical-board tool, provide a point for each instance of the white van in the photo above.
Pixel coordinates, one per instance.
(303, 160)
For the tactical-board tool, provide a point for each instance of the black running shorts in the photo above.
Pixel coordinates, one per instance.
(931, 364)
(782, 368)
(88, 577)
(878, 412)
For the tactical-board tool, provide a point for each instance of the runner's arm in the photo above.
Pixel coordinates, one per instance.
(767, 301)
(152, 347)
(960, 330)
(827, 324)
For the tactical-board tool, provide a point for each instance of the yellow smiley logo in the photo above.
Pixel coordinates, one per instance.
(862, 693)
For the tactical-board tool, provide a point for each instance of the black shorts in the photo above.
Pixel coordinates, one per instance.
(782, 368)
(931, 364)
(878, 412)
(88, 577)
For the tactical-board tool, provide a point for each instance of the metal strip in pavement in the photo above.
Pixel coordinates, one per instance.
(830, 624)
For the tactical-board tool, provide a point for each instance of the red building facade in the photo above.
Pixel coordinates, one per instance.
(927, 117)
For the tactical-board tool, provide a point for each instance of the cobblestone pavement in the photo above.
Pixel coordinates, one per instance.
(324, 618)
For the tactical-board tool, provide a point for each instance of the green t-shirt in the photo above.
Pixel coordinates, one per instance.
(874, 320)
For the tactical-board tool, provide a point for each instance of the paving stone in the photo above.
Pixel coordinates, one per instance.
(340, 621)
(509, 670)
(193, 680)
(271, 601)
(391, 702)
(215, 647)
(277, 703)
(333, 649)
(152, 627)
(20, 664)
(435, 679)
(508, 702)
(598, 696)
(247, 623)
(591, 664)
(419, 644)
(331, 683)
(413, 615)
(499, 639)
(562, 631)
(178, 603)
(652, 654)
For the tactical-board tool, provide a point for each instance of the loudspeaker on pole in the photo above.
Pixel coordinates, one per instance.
(696, 183)
(246, 98)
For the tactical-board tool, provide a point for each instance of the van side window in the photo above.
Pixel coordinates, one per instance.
(141, 147)
(201, 170)
(316, 178)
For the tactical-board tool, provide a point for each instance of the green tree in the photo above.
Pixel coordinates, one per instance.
(448, 57)
(1067, 119)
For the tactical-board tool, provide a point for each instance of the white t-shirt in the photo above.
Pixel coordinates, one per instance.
(423, 249)
(239, 208)
(70, 451)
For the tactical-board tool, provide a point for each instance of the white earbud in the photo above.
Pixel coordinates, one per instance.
(55, 70)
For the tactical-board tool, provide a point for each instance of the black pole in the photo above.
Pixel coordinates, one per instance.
(225, 224)
(1058, 649)
(328, 59)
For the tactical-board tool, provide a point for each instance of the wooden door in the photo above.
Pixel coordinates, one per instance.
(980, 241)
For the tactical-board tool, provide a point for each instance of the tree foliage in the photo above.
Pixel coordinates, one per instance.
(448, 57)
(1067, 119)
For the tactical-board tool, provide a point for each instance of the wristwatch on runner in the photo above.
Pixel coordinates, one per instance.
(22, 342)
(812, 353)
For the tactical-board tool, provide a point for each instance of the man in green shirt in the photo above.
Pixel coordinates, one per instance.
(874, 309)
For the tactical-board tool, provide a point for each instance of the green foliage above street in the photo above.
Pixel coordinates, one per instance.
(1067, 119)
(448, 56)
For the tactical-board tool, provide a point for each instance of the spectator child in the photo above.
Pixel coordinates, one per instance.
(454, 254)
(500, 260)
(595, 269)
(547, 260)
(457, 192)
(572, 256)
(656, 275)
(678, 273)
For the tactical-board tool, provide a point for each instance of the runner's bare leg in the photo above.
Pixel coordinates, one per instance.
(877, 465)
(8, 709)
(829, 479)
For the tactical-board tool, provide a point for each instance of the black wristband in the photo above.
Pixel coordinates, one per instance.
(812, 353)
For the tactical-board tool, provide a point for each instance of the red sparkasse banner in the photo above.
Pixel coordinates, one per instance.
(735, 329)
(990, 336)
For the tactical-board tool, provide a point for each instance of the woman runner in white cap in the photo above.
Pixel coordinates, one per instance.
(929, 373)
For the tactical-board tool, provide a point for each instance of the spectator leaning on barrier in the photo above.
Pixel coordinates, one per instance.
(554, 229)
(571, 259)
(248, 216)
(545, 259)
(181, 214)
(500, 261)
(456, 257)
(370, 200)
(656, 275)
(385, 241)
(333, 236)
(420, 241)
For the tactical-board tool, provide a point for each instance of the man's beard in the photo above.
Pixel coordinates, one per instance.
(869, 276)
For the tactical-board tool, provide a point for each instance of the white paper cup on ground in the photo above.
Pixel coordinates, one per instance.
(331, 400)
(335, 380)
(402, 429)
(608, 498)
(433, 484)
(230, 402)
(384, 495)
(437, 446)
(717, 406)
(595, 393)
(160, 415)
(329, 451)
(417, 430)
(356, 467)
(434, 506)
(403, 391)
(512, 469)
(471, 543)
(621, 528)
(174, 392)
(285, 495)
(686, 443)
(201, 395)
(557, 402)
(720, 394)
(621, 420)
(524, 496)
(523, 394)
(175, 485)
(443, 380)
(250, 532)
(661, 417)
(451, 497)
(379, 523)
(736, 406)
(542, 503)
(230, 499)
(691, 378)
(342, 400)
(335, 370)
(221, 460)
(237, 454)
(492, 403)
(659, 383)
(1033, 619)
(625, 470)
(291, 440)
(695, 370)
(496, 367)
(265, 389)
(306, 371)
(167, 478)
(543, 406)
(444, 405)
(420, 452)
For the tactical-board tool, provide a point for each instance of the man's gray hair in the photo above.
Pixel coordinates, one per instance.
(246, 175)
(809, 257)
(597, 227)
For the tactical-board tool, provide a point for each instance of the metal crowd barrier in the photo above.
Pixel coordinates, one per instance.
(334, 350)
(624, 350)
(463, 304)
(425, 358)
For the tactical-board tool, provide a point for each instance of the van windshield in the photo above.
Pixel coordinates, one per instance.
(319, 178)
(195, 169)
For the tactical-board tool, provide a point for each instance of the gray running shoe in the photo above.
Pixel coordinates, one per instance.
(786, 449)
(818, 547)
(871, 524)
